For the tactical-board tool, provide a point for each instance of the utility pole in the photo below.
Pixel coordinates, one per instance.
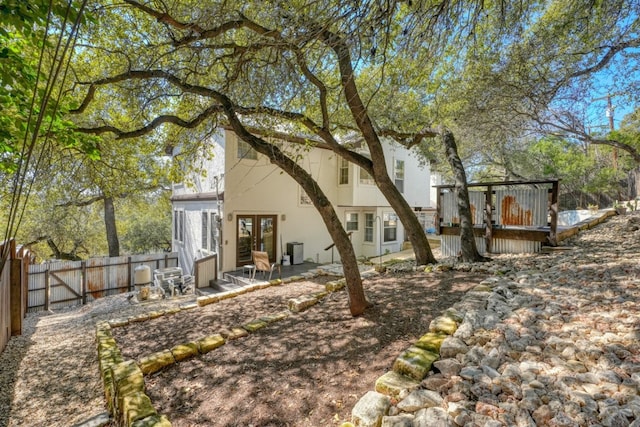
(609, 114)
(612, 128)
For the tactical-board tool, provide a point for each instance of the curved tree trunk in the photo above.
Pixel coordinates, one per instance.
(405, 213)
(467, 239)
(357, 300)
(412, 226)
(110, 226)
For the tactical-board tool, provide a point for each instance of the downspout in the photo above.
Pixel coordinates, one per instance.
(219, 222)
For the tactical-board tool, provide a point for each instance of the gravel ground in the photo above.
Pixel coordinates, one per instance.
(49, 375)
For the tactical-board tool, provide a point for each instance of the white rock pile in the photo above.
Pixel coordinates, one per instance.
(555, 342)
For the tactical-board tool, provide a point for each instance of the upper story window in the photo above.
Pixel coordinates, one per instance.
(343, 170)
(390, 222)
(245, 151)
(399, 175)
(352, 222)
(365, 177)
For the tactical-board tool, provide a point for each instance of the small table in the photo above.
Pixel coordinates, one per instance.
(249, 269)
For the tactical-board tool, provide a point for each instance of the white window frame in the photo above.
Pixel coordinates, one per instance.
(245, 151)
(352, 222)
(343, 171)
(390, 222)
(399, 175)
(369, 229)
(366, 178)
(178, 225)
(204, 231)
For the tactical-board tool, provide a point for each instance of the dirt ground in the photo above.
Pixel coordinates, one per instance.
(307, 370)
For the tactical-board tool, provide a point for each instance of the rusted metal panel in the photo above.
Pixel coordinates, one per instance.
(522, 207)
(450, 213)
(107, 276)
(452, 246)
(508, 246)
(477, 201)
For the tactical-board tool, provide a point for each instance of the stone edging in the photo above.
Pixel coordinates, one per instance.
(400, 388)
(123, 381)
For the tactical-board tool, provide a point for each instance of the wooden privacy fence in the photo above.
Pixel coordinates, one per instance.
(56, 285)
(508, 217)
(14, 264)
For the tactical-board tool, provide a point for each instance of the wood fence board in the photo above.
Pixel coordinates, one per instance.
(67, 283)
(5, 306)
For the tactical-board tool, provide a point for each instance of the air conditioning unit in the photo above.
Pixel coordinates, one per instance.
(295, 251)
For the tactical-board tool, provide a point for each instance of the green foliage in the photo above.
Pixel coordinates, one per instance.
(146, 225)
(581, 172)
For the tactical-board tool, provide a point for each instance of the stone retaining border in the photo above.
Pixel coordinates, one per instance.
(400, 387)
(123, 381)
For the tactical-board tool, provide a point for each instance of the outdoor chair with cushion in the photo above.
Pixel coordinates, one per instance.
(263, 265)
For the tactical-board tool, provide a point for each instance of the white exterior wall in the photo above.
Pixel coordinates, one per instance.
(436, 179)
(416, 176)
(190, 247)
(258, 187)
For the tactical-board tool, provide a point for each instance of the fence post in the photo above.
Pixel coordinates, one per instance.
(15, 292)
(553, 213)
(46, 290)
(488, 215)
(129, 275)
(84, 282)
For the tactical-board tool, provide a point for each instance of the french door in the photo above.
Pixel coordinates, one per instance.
(255, 233)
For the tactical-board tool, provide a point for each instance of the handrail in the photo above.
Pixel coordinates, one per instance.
(333, 244)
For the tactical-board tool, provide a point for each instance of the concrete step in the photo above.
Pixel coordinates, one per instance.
(221, 285)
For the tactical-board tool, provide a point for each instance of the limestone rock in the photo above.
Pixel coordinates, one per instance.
(402, 420)
(184, 351)
(433, 417)
(394, 384)
(156, 361)
(451, 347)
(210, 342)
(415, 362)
(370, 410)
(419, 399)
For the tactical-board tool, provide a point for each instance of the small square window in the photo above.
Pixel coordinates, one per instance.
(352, 222)
(366, 178)
(245, 151)
(390, 222)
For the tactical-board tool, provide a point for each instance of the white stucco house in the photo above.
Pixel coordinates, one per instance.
(245, 203)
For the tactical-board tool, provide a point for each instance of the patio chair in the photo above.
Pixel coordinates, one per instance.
(263, 265)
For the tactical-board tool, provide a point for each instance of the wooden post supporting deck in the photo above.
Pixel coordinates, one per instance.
(488, 213)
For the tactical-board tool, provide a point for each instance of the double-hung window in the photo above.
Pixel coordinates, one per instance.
(343, 172)
(178, 225)
(368, 227)
(399, 175)
(390, 225)
(352, 222)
